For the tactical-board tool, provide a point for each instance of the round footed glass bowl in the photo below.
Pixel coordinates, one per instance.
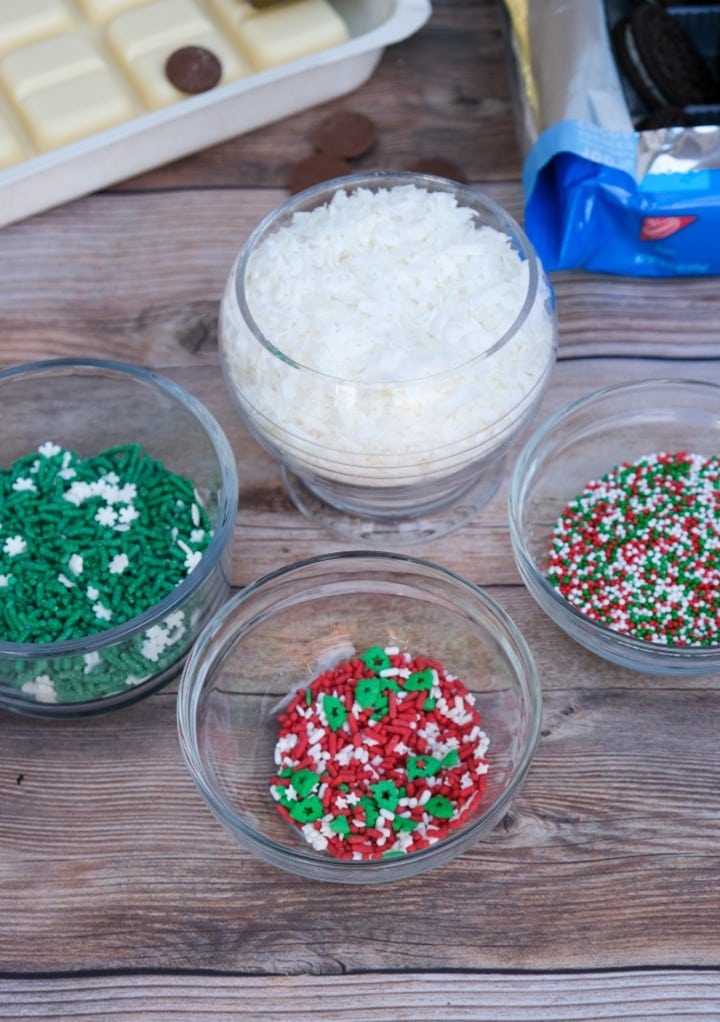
(118, 495)
(631, 603)
(359, 717)
(387, 336)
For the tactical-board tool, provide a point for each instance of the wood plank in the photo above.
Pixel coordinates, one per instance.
(110, 861)
(140, 278)
(406, 997)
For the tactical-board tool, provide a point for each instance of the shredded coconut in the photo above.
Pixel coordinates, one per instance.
(387, 307)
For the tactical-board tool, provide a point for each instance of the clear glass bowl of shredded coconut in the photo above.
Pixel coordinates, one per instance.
(376, 775)
(615, 523)
(118, 495)
(386, 337)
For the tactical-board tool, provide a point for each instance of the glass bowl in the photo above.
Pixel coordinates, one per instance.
(581, 443)
(88, 407)
(388, 373)
(273, 639)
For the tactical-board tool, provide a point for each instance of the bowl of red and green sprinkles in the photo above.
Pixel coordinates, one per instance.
(615, 523)
(118, 494)
(358, 718)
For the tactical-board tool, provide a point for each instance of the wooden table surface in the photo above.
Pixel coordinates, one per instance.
(598, 896)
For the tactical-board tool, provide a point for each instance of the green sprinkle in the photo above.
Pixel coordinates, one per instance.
(422, 766)
(371, 810)
(334, 710)
(405, 823)
(386, 794)
(368, 692)
(85, 547)
(420, 680)
(304, 781)
(376, 659)
(340, 825)
(307, 809)
(440, 807)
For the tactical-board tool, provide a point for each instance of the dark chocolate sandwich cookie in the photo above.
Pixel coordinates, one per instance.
(661, 61)
(674, 3)
(665, 117)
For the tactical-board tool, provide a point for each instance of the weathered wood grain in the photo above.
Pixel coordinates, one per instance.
(608, 857)
(140, 277)
(411, 997)
(596, 897)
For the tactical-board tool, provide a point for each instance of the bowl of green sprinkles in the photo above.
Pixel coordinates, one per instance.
(615, 523)
(358, 717)
(118, 494)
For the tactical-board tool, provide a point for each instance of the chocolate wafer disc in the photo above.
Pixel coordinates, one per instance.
(345, 133)
(193, 69)
(314, 169)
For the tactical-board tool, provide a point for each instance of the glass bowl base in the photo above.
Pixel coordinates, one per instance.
(398, 529)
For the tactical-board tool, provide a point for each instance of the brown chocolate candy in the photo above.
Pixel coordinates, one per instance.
(193, 69)
(345, 133)
(439, 167)
(314, 169)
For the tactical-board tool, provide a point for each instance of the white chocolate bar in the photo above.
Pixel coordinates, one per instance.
(143, 39)
(64, 88)
(284, 32)
(70, 69)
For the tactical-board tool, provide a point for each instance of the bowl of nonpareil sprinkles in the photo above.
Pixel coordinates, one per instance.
(387, 337)
(615, 523)
(118, 494)
(359, 717)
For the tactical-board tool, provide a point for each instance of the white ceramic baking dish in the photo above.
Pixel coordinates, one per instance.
(210, 117)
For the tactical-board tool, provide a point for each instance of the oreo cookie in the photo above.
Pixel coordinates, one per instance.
(665, 117)
(674, 3)
(661, 61)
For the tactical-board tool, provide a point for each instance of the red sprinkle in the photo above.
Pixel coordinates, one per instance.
(367, 767)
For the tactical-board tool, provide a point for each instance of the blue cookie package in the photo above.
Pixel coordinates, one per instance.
(614, 181)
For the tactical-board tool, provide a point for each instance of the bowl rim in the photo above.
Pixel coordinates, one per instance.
(388, 179)
(522, 473)
(308, 862)
(221, 532)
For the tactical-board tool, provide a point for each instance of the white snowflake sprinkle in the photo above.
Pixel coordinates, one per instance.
(101, 612)
(23, 483)
(49, 449)
(127, 493)
(106, 515)
(118, 564)
(14, 545)
(42, 688)
(78, 492)
(127, 515)
(76, 564)
(192, 559)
